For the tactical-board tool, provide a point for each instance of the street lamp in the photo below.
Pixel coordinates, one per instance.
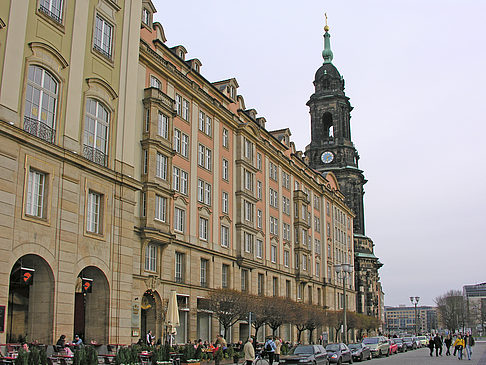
(345, 269)
(415, 301)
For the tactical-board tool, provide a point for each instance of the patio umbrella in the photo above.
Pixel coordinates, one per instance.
(172, 318)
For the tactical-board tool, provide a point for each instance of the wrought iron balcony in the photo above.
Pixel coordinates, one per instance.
(95, 155)
(39, 129)
(102, 51)
(50, 14)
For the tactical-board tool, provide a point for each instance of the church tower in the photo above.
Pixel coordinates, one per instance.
(331, 149)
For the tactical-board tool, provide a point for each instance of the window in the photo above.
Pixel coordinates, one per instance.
(36, 193)
(316, 202)
(317, 224)
(248, 150)
(177, 140)
(179, 220)
(146, 113)
(328, 210)
(328, 230)
(224, 236)
(259, 249)
(274, 225)
(225, 138)
(273, 198)
(318, 269)
(146, 17)
(259, 161)
(41, 104)
(286, 258)
(317, 246)
(248, 239)
(178, 101)
(261, 284)
(224, 275)
(273, 171)
(304, 262)
(201, 121)
(145, 161)
(160, 208)
(163, 125)
(185, 145)
(259, 189)
(275, 286)
(204, 192)
(155, 82)
(224, 202)
(285, 180)
(103, 36)
(144, 204)
(286, 232)
(185, 110)
(52, 8)
(179, 179)
(225, 169)
(248, 176)
(179, 267)
(287, 288)
(93, 220)
(209, 127)
(151, 257)
(203, 228)
(286, 205)
(249, 207)
(273, 253)
(244, 280)
(204, 272)
(259, 218)
(204, 157)
(161, 170)
(96, 132)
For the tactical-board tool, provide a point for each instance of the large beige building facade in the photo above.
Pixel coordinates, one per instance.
(124, 169)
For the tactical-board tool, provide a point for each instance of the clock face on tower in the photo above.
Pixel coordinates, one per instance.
(327, 157)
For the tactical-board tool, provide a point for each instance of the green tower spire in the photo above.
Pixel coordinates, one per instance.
(327, 53)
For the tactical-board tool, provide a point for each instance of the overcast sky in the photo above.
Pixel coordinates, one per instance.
(415, 73)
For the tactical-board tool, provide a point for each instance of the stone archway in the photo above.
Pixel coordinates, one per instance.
(91, 309)
(30, 301)
(151, 314)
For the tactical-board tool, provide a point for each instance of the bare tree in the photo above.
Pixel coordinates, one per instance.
(258, 313)
(277, 311)
(451, 307)
(316, 317)
(228, 306)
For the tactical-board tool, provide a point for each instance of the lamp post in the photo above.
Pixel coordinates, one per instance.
(415, 301)
(345, 269)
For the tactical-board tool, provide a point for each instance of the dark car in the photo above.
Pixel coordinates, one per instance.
(339, 353)
(360, 351)
(410, 342)
(306, 354)
(402, 347)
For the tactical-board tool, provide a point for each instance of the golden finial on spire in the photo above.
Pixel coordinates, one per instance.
(326, 27)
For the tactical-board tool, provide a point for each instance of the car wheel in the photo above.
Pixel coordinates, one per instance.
(351, 360)
(339, 361)
(387, 353)
(370, 357)
(361, 358)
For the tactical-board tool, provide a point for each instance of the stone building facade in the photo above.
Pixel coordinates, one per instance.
(126, 175)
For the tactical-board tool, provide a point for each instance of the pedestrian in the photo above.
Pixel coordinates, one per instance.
(278, 345)
(438, 345)
(459, 345)
(249, 351)
(431, 345)
(448, 343)
(469, 342)
(77, 341)
(269, 348)
(150, 338)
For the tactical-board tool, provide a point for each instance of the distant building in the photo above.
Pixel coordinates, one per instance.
(401, 319)
(475, 296)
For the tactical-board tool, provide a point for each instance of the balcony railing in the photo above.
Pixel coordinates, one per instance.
(102, 51)
(95, 155)
(50, 14)
(39, 129)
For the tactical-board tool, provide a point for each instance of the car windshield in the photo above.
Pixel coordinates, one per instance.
(332, 347)
(398, 340)
(303, 350)
(354, 346)
(367, 341)
(407, 339)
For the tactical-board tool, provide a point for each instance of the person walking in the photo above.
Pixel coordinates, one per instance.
(269, 348)
(278, 345)
(150, 338)
(431, 345)
(249, 351)
(438, 345)
(469, 343)
(448, 343)
(459, 345)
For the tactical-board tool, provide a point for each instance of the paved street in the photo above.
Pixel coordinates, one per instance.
(421, 357)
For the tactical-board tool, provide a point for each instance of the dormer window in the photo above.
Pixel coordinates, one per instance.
(232, 92)
(146, 17)
(196, 67)
(181, 54)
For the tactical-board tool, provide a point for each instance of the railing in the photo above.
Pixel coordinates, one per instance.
(39, 129)
(50, 14)
(102, 51)
(95, 155)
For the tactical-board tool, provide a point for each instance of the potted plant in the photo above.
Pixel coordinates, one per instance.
(218, 356)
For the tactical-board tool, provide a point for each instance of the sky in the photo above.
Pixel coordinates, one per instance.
(415, 74)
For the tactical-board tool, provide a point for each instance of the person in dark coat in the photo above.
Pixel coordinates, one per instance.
(431, 345)
(438, 345)
(448, 343)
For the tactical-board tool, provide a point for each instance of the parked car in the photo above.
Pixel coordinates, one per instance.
(411, 344)
(378, 345)
(417, 342)
(424, 341)
(393, 347)
(402, 347)
(360, 351)
(339, 353)
(306, 355)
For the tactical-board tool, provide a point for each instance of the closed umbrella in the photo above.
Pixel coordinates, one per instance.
(172, 318)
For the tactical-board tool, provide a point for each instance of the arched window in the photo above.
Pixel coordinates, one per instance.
(41, 104)
(328, 125)
(96, 128)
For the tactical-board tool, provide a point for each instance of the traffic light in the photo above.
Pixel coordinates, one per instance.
(26, 276)
(87, 285)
